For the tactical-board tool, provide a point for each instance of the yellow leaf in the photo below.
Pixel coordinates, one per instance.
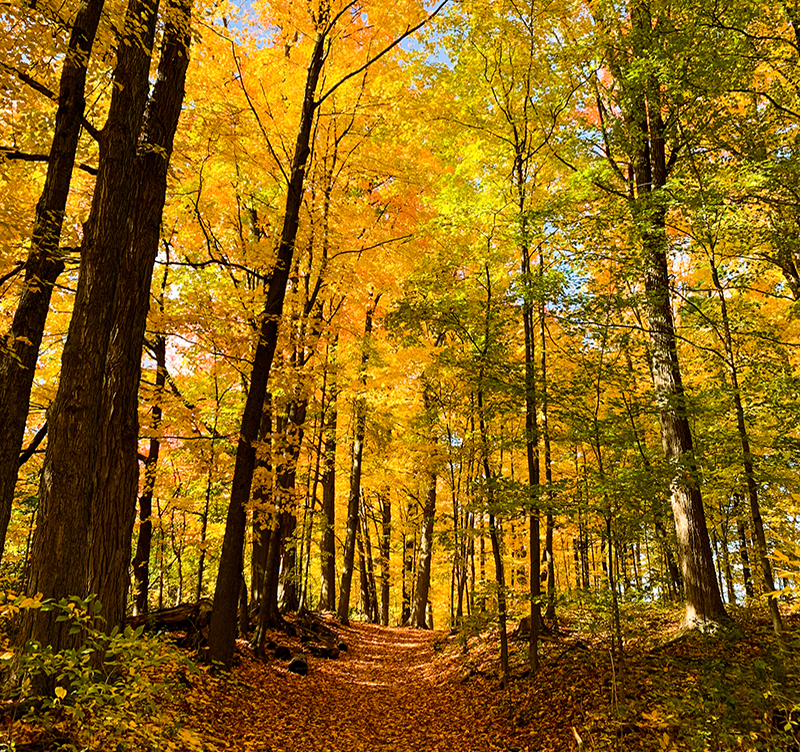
(61, 693)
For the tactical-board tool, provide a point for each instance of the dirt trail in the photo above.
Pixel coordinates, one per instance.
(390, 692)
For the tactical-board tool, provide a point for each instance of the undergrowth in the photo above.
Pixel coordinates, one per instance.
(106, 692)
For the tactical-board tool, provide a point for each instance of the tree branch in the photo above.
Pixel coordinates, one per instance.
(407, 33)
(6, 153)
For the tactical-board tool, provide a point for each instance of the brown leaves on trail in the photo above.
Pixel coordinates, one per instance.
(388, 692)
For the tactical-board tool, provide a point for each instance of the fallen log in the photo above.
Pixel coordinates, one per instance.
(191, 618)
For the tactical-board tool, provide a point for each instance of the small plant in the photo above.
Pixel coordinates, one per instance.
(103, 693)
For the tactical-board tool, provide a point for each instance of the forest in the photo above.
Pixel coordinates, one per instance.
(459, 334)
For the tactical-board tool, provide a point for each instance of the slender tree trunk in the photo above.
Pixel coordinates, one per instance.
(408, 574)
(141, 560)
(328, 544)
(422, 589)
(288, 599)
(385, 549)
(744, 555)
(263, 515)
(550, 613)
(355, 476)
(19, 349)
(222, 630)
(114, 504)
(62, 541)
(532, 459)
(767, 582)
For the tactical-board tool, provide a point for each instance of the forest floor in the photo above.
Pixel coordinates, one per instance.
(404, 690)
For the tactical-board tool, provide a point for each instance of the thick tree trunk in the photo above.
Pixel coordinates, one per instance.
(417, 618)
(19, 349)
(348, 556)
(222, 632)
(114, 504)
(60, 560)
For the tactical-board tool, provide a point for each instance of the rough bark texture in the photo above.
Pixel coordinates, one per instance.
(60, 561)
(19, 350)
(114, 505)
(222, 633)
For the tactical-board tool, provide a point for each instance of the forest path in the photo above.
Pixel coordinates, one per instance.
(390, 692)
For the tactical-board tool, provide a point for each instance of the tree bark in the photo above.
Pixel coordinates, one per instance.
(19, 349)
(114, 504)
(60, 560)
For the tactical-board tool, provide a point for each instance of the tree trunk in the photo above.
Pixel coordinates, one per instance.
(767, 582)
(141, 561)
(744, 555)
(114, 504)
(60, 560)
(222, 632)
(701, 592)
(19, 349)
(355, 476)
(288, 599)
(384, 544)
(264, 515)
(328, 543)
(417, 617)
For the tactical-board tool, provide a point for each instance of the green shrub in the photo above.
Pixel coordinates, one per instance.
(105, 693)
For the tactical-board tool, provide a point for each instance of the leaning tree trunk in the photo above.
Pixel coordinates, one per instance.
(114, 505)
(60, 559)
(20, 349)
(222, 632)
(768, 584)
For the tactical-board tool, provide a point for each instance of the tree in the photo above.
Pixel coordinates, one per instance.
(60, 558)
(20, 350)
